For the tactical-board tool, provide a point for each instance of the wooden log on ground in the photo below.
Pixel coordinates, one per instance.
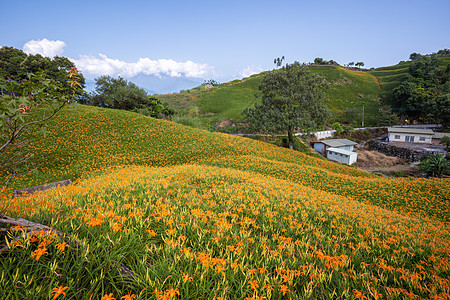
(43, 187)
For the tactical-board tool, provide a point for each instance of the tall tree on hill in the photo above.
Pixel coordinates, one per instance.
(291, 99)
(278, 61)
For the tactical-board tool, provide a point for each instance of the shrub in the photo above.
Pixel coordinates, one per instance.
(338, 127)
(435, 165)
(446, 142)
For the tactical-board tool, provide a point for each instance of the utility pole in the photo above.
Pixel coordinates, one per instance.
(362, 122)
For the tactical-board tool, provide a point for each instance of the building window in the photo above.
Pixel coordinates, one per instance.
(422, 139)
(397, 137)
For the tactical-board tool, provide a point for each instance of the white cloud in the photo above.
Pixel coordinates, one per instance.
(103, 65)
(44, 47)
(250, 70)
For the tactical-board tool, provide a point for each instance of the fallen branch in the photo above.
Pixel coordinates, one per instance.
(31, 228)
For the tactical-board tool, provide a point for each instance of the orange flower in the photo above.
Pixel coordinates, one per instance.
(170, 231)
(358, 294)
(253, 284)
(151, 232)
(45, 243)
(58, 291)
(94, 222)
(128, 297)
(117, 227)
(61, 246)
(284, 289)
(39, 252)
(186, 278)
(108, 297)
(172, 292)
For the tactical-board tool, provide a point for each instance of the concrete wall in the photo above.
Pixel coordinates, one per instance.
(324, 134)
(320, 134)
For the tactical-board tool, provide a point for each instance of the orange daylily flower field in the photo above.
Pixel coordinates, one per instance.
(163, 211)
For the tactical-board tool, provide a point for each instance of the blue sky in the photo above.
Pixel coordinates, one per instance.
(222, 40)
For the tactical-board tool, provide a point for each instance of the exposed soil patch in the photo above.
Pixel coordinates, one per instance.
(224, 123)
(207, 114)
(376, 162)
(367, 158)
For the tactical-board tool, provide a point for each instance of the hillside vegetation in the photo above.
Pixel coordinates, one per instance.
(390, 77)
(349, 91)
(164, 211)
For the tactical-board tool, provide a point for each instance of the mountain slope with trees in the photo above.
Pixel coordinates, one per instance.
(349, 91)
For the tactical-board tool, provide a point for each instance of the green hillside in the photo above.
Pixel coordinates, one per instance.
(391, 77)
(349, 91)
(82, 138)
(163, 211)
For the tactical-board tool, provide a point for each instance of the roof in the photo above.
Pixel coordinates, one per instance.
(440, 135)
(337, 143)
(410, 130)
(341, 151)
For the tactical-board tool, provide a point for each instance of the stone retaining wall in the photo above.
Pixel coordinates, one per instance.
(401, 152)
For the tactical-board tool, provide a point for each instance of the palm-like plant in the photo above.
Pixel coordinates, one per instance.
(435, 165)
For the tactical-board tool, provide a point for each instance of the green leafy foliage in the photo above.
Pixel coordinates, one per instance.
(211, 82)
(26, 103)
(424, 93)
(386, 117)
(15, 64)
(119, 93)
(338, 127)
(435, 165)
(446, 142)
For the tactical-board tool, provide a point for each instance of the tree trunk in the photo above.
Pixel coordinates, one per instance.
(291, 139)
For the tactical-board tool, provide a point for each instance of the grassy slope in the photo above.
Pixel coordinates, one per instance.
(225, 211)
(228, 100)
(390, 77)
(84, 139)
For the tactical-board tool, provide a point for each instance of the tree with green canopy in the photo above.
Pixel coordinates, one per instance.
(291, 99)
(25, 104)
(118, 93)
(15, 65)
